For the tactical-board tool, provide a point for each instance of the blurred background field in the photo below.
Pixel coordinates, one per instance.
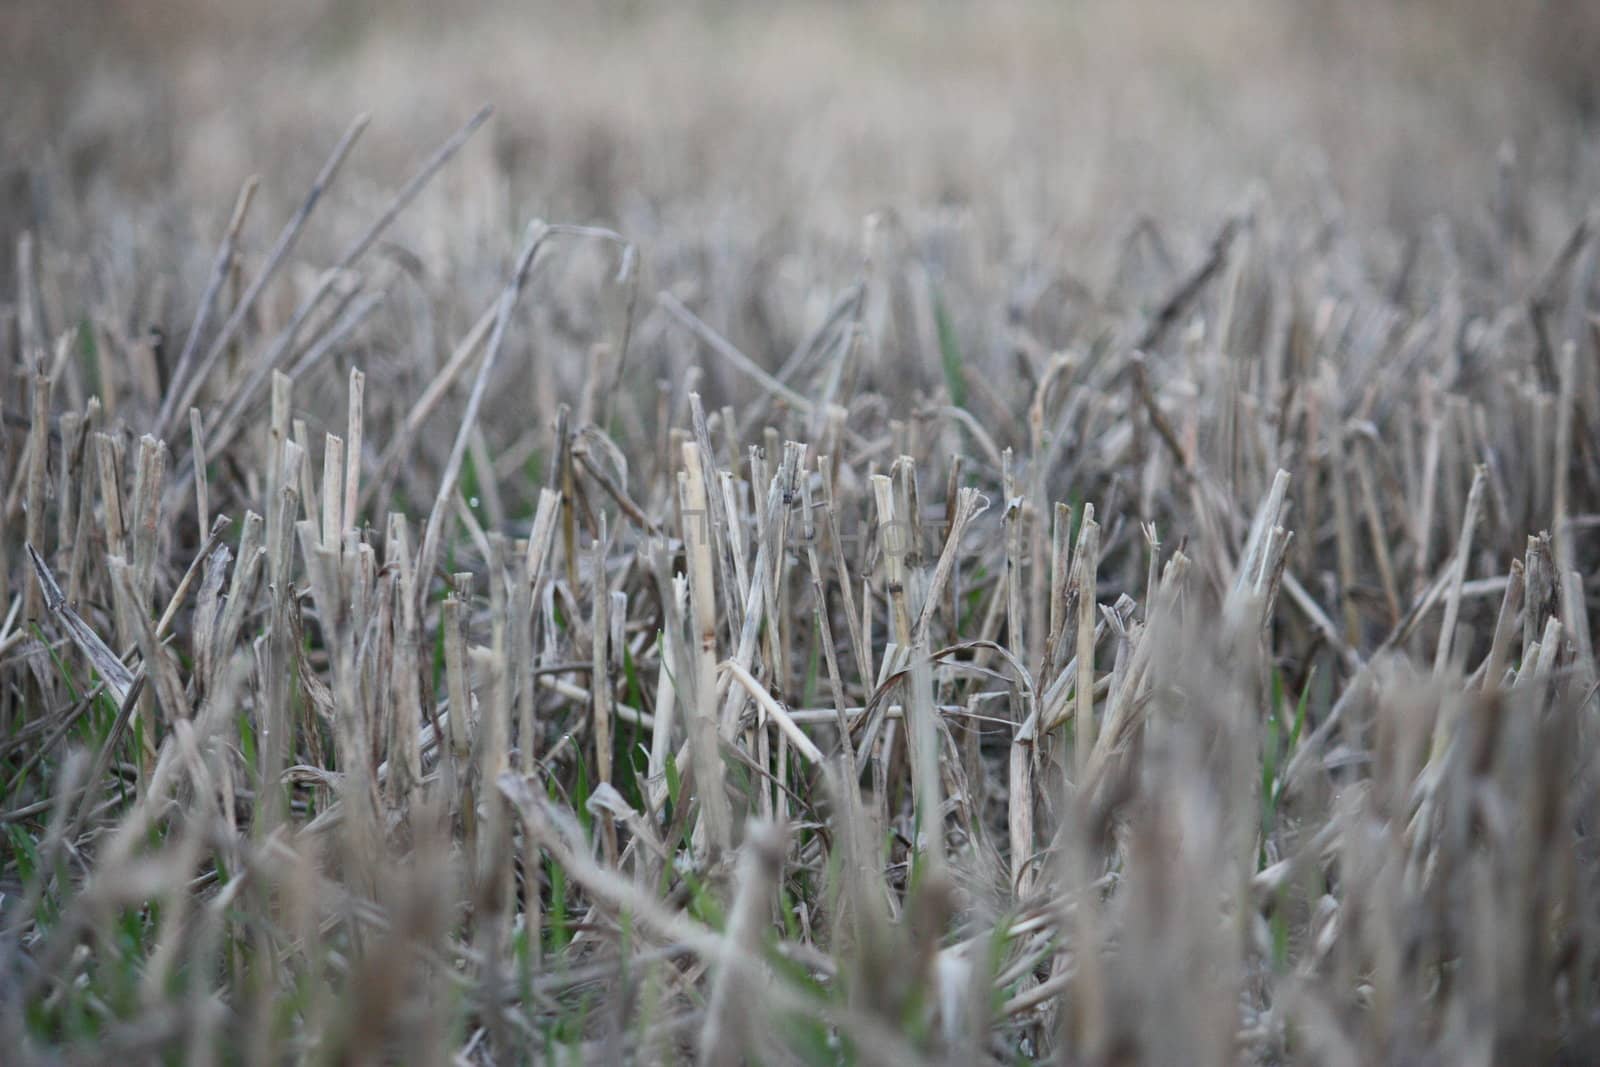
(1053, 161)
(1050, 120)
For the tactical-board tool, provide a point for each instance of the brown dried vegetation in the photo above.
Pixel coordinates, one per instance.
(995, 609)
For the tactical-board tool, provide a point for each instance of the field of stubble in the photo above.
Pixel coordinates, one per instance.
(963, 533)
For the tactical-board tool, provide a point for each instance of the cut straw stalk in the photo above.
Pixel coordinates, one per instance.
(354, 432)
(1458, 571)
(673, 591)
(715, 816)
(1087, 558)
(600, 682)
(38, 467)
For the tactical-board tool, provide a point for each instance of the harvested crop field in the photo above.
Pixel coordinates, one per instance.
(800, 534)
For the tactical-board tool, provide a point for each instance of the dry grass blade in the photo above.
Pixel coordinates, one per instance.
(208, 299)
(184, 388)
(107, 664)
(447, 484)
(719, 344)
